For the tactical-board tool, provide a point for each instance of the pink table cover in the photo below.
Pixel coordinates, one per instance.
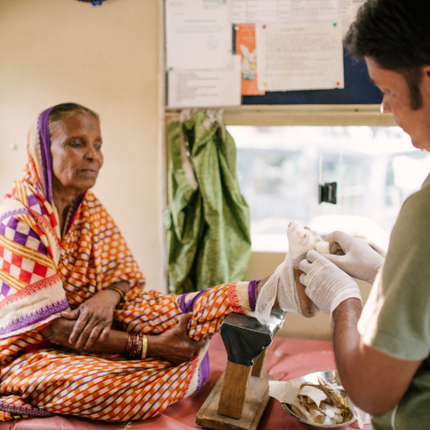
(287, 358)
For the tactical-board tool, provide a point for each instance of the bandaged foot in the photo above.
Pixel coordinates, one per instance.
(284, 286)
(300, 241)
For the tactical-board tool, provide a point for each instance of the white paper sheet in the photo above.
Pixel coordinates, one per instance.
(253, 11)
(198, 34)
(239, 12)
(282, 11)
(299, 56)
(348, 12)
(205, 88)
(308, 11)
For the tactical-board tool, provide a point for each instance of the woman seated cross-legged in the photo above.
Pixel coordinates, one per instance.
(78, 334)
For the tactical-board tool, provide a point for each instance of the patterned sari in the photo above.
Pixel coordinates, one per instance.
(43, 274)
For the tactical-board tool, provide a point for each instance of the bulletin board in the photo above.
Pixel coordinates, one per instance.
(358, 89)
(216, 57)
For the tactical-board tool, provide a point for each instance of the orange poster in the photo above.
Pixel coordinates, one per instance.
(245, 47)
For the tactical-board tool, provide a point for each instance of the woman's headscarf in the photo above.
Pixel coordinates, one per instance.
(39, 148)
(41, 273)
(31, 291)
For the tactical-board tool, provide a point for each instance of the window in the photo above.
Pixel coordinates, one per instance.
(279, 169)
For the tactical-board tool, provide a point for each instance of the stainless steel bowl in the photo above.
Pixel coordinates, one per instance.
(332, 377)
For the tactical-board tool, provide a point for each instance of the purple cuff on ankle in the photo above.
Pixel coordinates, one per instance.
(252, 293)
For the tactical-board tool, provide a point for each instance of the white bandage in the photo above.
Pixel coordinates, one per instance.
(281, 284)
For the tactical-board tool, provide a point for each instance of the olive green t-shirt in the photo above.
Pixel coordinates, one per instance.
(396, 318)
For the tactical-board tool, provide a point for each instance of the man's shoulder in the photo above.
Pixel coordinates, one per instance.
(426, 183)
(416, 208)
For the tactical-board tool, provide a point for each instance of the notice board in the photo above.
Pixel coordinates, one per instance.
(358, 90)
(217, 57)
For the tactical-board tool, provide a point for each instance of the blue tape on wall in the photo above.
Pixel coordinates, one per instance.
(358, 90)
(94, 2)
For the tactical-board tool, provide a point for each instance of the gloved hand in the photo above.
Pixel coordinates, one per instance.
(359, 261)
(326, 285)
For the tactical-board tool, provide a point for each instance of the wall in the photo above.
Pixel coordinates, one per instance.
(104, 57)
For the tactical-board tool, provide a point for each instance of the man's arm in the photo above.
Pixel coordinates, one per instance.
(375, 382)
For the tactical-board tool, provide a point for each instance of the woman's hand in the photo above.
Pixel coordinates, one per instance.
(174, 345)
(93, 319)
(58, 332)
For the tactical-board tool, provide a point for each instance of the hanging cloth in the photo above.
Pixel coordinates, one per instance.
(207, 219)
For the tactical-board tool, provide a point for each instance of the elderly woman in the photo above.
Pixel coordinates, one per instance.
(78, 335)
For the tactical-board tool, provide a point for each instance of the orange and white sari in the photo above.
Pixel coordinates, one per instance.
(43, 274)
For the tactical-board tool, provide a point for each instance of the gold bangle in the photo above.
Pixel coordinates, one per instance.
(144, 346)
(120, 292)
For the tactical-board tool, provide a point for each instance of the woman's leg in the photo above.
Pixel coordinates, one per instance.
(108, 387)
(101, 387)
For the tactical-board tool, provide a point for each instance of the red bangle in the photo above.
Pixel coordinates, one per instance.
(134, 346)
(138, 350)
(129, 345)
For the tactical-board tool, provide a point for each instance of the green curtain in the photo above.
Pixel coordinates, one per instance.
(207, 219)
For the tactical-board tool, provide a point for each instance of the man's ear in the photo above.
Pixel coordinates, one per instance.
(426, 70)
(425, 82)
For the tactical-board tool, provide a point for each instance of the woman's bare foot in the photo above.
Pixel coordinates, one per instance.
(308, 308)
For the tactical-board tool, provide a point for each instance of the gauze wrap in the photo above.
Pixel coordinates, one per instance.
(281, 284)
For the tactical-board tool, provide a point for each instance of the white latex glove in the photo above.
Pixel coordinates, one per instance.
(326, 285)
(359, 261)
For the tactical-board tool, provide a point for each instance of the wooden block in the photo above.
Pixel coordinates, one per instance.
(256, 401)
(234, 389)
(257, 370)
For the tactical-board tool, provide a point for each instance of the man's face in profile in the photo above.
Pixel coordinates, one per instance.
(397, 101)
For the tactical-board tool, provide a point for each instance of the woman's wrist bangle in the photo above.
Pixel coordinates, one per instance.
(120, 292)
(137, 346)
(144, 346)
(129, 345)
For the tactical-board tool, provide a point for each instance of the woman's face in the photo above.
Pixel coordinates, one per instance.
(76, 154)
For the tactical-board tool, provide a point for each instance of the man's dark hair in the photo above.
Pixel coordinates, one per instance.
(396, 34)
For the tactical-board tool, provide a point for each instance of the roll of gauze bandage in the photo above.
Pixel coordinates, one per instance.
(322, 247)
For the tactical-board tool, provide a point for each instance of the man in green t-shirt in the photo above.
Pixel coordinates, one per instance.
(382, 353)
